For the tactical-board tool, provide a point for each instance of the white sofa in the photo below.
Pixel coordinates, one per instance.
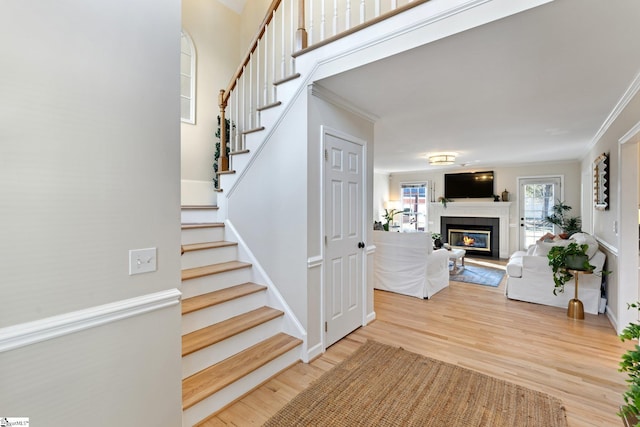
(406, 263)
(530, 277)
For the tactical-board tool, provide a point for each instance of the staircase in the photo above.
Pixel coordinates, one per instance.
(232, 340)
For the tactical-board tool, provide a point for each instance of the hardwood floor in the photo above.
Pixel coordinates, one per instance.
(476, 327)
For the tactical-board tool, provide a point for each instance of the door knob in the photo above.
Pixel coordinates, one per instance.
(361, 245)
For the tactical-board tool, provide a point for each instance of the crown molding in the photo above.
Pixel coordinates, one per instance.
(628, 95)
(333, 98)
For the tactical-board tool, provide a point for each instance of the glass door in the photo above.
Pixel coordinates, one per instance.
(414, 206)
(537, 196)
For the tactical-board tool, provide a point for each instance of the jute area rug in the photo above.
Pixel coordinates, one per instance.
(381, 385)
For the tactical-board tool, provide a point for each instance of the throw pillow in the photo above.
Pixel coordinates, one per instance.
(586, 239)
(543, 248)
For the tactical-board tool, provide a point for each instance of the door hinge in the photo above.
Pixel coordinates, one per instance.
(326, 155)
(326, 327)
(325, 240)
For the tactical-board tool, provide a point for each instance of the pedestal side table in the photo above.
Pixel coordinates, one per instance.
(575, 310)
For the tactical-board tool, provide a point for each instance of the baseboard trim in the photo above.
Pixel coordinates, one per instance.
(313, 352)
(24, 334)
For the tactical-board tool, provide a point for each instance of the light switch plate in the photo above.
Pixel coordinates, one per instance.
(142, 261)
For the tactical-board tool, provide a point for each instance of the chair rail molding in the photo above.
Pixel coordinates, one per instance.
(24, 334)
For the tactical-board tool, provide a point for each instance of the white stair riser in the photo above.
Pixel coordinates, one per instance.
(285, 91)
(218, 352)
(240, 161)
(232, 392)
(215, 282)
(254, 140)
(269, 116)
(200, 235)
(217, 313)
(227, 181)
(199, 216)
(204, 257)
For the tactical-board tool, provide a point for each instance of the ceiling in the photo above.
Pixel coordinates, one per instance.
(533, 87)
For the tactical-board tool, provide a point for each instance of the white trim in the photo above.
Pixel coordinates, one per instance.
(371, 249)
(315, 351)
(630, 134)
(333, 98)
(628, 95)
(192, 80)
(24, 334)
(608, 246)
(315, 261)
(371, 317)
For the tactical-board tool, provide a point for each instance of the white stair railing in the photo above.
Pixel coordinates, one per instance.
(285, 31)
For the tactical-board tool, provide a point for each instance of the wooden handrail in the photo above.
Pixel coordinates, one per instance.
(252, 47)
(359, 27)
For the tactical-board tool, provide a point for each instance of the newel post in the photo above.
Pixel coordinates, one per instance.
(223, 160)
(301, 32)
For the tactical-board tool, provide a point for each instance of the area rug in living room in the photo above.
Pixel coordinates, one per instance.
(478, 275)
(380, 385)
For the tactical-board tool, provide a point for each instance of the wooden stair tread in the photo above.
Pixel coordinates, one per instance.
(286, 79)
(202, 225)
(216, 377)
(218, 297)
(207, 245)
(235, 153)
(215, 333)
(258, 129)
(229, 172)
(268, 106)
(189, 207)
(206, 270)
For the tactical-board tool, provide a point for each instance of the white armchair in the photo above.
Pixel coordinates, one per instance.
(530, 277)
(406, 263)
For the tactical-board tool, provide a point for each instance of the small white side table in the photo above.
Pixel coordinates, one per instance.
(455, 255)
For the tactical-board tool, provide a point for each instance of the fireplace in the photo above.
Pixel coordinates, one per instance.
(479, 236)
(477, 240)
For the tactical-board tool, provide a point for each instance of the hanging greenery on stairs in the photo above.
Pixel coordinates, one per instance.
(217, 153)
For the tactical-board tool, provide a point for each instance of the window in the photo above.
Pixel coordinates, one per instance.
(187, 79)
(414, 206)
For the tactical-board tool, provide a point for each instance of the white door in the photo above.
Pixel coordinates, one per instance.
(537, 196)
(344, 246)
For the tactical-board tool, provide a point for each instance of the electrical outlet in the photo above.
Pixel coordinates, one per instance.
(142, 261)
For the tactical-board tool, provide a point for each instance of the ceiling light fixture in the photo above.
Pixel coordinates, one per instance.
(442, 159)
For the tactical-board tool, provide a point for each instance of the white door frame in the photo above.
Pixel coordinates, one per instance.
(628, 172)
(324, 131)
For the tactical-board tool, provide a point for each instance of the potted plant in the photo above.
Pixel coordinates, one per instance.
(388, 215)
(562, 258)
(444, 201)
(560, 218)
(630, 364)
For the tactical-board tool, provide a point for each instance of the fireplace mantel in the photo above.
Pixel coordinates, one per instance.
(498, 210)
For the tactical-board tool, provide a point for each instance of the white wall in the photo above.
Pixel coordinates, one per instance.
(267, 206)
(89, 119)
(214, 29)
(505, 178)
(380, 194)
(616, 228)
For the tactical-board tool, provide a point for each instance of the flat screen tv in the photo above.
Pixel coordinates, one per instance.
(468, 185)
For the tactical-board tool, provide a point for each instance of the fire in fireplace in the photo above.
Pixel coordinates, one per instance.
(478, 240)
